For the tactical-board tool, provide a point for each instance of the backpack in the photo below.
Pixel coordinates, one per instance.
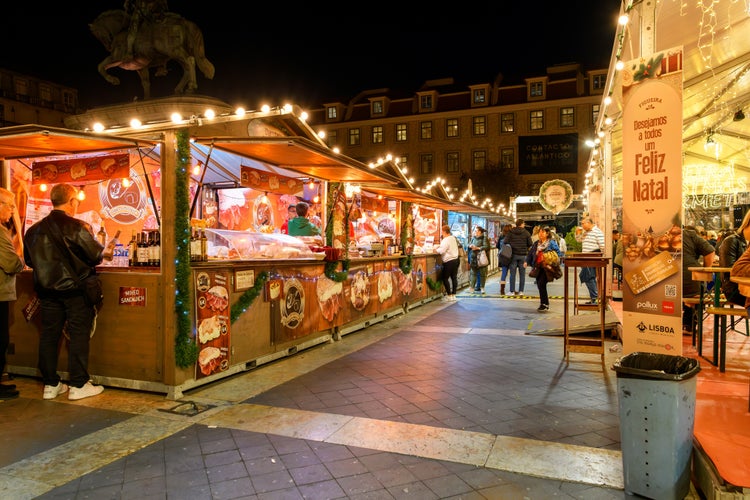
(506, 254)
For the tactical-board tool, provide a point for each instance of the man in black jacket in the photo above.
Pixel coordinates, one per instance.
(730, 249)
(62, 299)
(520, 241)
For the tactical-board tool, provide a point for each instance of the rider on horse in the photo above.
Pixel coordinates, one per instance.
(142, 11)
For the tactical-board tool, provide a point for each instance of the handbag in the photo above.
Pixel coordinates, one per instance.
(534, 272)
(91, 286)
(482, 260)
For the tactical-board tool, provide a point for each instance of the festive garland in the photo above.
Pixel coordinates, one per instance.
(337, 276)
(434, 285)
(564, 204)
(332, 189)
(247, 298)
(186, 348)
(404, 263)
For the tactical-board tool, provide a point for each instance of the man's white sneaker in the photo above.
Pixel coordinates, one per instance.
(453, 298)
(86, 391)
(52, 391)
(520, 294)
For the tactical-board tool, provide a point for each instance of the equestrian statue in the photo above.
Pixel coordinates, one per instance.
(144, 36)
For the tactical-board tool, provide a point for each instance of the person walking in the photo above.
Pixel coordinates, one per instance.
(535, 258)
(448, 250)
(11, 264)
(63, 304)
(479, 242)
(593, 241)
(503, 260)
(520, 241)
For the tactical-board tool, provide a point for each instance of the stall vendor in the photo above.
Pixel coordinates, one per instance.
(300, 225)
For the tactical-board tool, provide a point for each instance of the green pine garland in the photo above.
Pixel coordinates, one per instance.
(337, 276)
(405, 264)
(434, 285)
(247, 298)
(186, 348)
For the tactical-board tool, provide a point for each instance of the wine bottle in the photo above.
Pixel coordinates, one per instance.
(132, 250)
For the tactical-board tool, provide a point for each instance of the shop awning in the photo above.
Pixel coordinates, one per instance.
(301, 155)
(408, 195)
(27, 141)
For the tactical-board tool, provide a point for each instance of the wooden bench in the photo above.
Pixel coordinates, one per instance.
(720, 348)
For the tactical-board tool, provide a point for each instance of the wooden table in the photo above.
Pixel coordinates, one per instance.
(707, 275)
(572, 262)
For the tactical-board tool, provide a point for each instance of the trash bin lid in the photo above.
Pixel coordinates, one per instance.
(656, 366)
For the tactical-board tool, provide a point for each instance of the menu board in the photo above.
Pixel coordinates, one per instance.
(212, 318)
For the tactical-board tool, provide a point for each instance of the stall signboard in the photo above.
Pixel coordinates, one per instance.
(81, 170)
(212, 318)
(261, 180)
(652, 204)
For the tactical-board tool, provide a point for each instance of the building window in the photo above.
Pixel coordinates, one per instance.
(333, 138)
(425, 103)
(22, 86)
(451, 127)
(536, 120)
(594, 114)
(479, 125)
(69, 100)
(451, 162)
(401, 132)
(599, 81)
(354, 137)
(45, 93)
(507, 158)
(479, 96)
(403, 163)
(332, 112)
(536, 89)
(567, 117)
(425, 164)
(507, 123)
(377, 134)
(377, 107)
(425, 130)
(479, 159)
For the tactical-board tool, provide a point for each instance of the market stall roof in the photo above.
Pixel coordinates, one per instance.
(403, 190)
(301, 155)
(716, 81)
(27, 141)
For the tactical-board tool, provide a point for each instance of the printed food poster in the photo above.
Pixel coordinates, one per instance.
(212, 322)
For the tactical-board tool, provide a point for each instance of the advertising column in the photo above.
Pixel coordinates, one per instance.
(652, 203)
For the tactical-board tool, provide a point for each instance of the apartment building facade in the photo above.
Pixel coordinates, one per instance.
(503, 140)
(25, 99)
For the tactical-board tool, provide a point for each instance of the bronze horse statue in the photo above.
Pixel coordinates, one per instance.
(156, 43)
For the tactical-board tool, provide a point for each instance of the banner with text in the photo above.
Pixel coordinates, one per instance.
(652, 203)
(548, 154)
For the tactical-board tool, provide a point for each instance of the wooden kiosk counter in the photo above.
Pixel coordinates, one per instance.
(179, 320)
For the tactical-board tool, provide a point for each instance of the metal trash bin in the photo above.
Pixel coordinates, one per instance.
(656, 400)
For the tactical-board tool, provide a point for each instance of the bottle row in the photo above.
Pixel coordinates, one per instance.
(144, 249)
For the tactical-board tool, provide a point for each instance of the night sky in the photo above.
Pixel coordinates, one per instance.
(279, 53)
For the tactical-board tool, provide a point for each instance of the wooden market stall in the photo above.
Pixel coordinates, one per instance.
(253, 295)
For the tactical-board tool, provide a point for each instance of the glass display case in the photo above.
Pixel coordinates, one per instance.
(225, 244)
